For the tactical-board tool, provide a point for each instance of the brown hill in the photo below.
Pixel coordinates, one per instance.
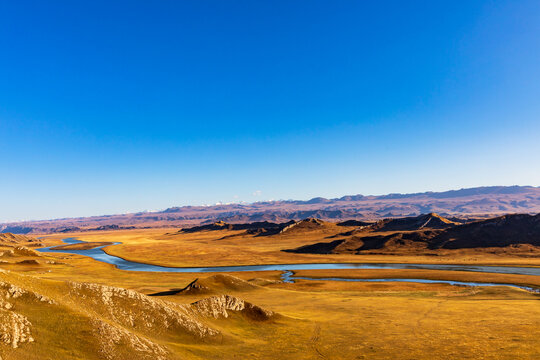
(218, 225)
(261, 228)
(9, 238)
(425, 221)
(214, 284)
(319, 248)
(503, 231)
(302, 226)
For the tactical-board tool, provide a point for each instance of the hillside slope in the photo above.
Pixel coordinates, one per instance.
(426, 221)
(48, 319)
(9, 238)
(499, 232)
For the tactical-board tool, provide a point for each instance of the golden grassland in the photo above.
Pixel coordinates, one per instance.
(219, 248)
(319, 319)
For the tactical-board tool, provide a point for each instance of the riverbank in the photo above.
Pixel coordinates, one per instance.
(165, 247)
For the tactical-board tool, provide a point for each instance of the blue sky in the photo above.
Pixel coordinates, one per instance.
(111, 107)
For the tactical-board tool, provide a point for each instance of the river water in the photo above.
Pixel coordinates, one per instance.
(100, 255)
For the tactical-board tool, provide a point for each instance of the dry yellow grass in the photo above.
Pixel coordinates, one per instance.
(321, 319)
(211, 249)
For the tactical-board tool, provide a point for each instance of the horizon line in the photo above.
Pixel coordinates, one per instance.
(244, 203)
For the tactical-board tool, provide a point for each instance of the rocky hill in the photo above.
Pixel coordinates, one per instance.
(263, 228)
(501, 231)
(46, 319)
(510, 231)
(426, 221)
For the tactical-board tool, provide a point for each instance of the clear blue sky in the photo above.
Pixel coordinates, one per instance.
(111, 107)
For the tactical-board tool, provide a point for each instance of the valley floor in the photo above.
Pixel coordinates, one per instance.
(315, 319)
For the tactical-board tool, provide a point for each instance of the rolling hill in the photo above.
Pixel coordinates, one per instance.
(515, 230)
(44, 319)
(426, 221)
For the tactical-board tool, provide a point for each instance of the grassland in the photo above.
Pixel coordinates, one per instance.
(223, 248)
(317, 319)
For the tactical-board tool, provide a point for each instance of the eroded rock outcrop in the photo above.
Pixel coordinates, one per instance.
(133, 309)
(303, 225)
(112, 338)
(14, 328)
(124, 323)
(220, 306)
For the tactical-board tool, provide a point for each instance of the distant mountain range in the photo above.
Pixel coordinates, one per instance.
(479, 202)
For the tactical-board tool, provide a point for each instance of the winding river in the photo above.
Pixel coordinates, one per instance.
(99, 254)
